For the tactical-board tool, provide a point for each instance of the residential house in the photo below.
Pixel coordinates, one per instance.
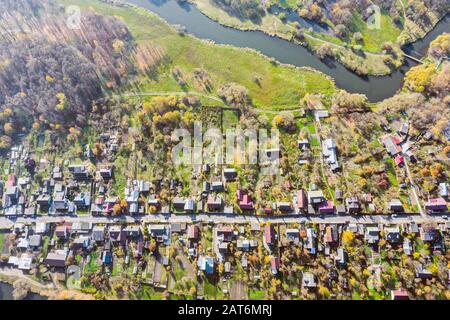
(178, 227)
(316, 197)
(329, 152)
(331, 235)
(310, 243)
(214, 203)
(229, 174)
(82, 200)
(308, 280)
(35, 241)
(429, 235)
(338, 194)
(42, 228)
(407, 247)
(193, 232)
(326, 207)
(79, 172)
(106, 173)
(217, 186)
(392, 234)
(443, 189)
(341, 209)
(116, 234)
(178, 203)
(395, 205)
(133, 231)
(436, 205)
(352, 205)
(274, 264)
(245, 201)
(189, 205)
(341, 257)
(284, 206)
(269, 234)
(56, 259)
(81, 227)
(302, 201)
(293, 235)
(98, 233)
(399, 294)
(158, 231)
(392, 144)
(43, 200)
(225, 233)
(372, 235)
(62, 231)
(303, 144)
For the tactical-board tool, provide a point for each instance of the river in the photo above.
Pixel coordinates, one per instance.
(7, 289)
(196, 23)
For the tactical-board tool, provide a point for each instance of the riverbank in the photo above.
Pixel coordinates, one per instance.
(363, 63)
(7, 279)
(271, 85)
(37, 291)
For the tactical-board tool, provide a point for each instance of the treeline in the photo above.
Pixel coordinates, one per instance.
(46, 78)
(50, 74)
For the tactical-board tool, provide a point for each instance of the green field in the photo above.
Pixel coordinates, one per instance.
(279, 87)
(257, 295)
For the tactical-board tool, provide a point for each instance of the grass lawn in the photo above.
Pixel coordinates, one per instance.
(147, 292)
(211, 290)
(2, 240)
(373, 39)
(280, 86)
(392, 177)
(93, 264)
(256, 294)
(229, 119)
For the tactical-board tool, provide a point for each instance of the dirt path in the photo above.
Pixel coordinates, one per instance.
(185, 263)
(238, 291)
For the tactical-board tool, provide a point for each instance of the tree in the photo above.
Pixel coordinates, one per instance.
(347, 237)
(324, 292)
(419, 78)
(234, 94)
(117, 209)
(8, 128)
(152, 246)
(344, 102)
(324, 50)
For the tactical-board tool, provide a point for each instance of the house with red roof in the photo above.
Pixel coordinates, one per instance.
(225, 233)
(326, 207)
(400, 294)
(399, 160)
(12, 181)
(302, 201)
(269, 234)
(193, 232)
(274, 264)
(436, 204)
(246, 203)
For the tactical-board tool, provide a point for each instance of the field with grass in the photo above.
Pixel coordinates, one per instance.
(280, 86)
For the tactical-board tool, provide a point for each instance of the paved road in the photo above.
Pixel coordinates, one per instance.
(237, 219)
